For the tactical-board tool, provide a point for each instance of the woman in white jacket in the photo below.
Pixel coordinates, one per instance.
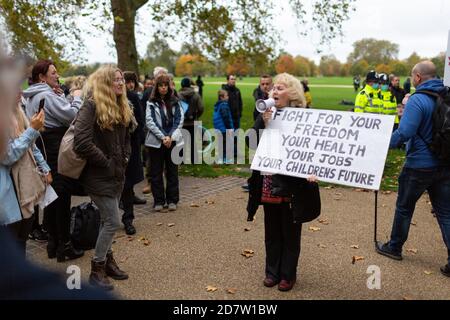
(164, 120)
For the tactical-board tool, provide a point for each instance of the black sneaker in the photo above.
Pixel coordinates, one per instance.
(245, 187)
(38, 235)
(384, 250)
(445, 270)
(130, 229)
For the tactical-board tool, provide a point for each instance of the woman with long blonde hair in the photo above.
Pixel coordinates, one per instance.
(102, 137)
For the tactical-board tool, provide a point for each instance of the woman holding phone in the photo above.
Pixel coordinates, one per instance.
(59, 114)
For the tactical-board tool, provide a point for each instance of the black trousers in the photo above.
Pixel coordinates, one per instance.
(57, 214)
(128, 205)
(20, 230)
(162, 162)
(282, 240)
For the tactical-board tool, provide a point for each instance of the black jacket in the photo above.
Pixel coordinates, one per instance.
(305, 196)
(134, 172)
(234, 100)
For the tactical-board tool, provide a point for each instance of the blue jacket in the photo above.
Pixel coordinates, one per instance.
(222, 118)
(9, 206)
(416, 126)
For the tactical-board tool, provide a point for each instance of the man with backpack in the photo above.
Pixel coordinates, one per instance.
(427, 166)
(193, 108)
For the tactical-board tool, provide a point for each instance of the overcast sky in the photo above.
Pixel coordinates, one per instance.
(415, 25)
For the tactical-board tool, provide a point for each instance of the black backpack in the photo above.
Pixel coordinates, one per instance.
(84, 225)
(440, 143)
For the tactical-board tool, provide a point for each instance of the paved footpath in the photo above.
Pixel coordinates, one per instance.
(201, 244)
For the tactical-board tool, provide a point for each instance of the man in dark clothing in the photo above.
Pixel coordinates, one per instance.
(194, 105)
(398, 92)
(407, 85)
(262, 91)
(234, 100)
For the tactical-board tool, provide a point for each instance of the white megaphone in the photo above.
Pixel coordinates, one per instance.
(264, 105)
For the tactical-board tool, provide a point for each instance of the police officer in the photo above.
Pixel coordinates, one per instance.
(368, 100)
(389, 100)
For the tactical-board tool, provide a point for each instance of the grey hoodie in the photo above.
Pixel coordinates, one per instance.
(59, 112)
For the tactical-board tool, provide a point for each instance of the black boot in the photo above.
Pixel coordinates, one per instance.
(66, 251)
(52, 244)
(98, 276)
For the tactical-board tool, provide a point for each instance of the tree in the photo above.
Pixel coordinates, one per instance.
(439, 62)
(412, 60)
(373, 51)
(359, 68)
(238, 65)
(345, 70)
(184, 65)
(302, 66)
(159, 54)
(218, 29)
(399, 68)
(383, 68)
(329, 66)
(285, 63)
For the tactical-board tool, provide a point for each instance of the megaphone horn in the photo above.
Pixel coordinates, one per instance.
(264, 105)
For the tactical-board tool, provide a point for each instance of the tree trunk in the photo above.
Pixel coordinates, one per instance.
(124, 14)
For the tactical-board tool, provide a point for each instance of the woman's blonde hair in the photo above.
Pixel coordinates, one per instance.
(20, 121)
(77, 83)
(295, 89)
(111, 110)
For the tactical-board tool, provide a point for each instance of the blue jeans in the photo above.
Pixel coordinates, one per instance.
(412, 184)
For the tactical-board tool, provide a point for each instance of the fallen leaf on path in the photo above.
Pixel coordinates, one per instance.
(406, 298)
(248, 253)
(324, 221)
(386, 192)
(314, 229)
(322, 246)
(177, 235)
(328, 187)
(413, 223)
(209, 202)
(159, 224)
(231, 290)
(354, 246)
(247, 229)
(412, 250)
(427, 272)
(170, 224)
(211, 289)
(130, 238)
(146, 242)
(141, 238)
(383, 206)
(357, 258)
(194, 205)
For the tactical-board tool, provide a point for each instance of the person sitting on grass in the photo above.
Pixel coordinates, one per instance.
(223, 120)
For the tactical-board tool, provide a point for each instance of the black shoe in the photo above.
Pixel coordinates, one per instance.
(66, 251)
(445, 270)
(384, 250)
(38, 235)
(52, 244)
(245, 187)
(130, 229)
(137, 200)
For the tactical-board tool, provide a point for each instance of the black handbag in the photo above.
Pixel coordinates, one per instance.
(85, 225)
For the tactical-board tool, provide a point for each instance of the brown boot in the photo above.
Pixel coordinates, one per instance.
(113, 270)
(98, 276)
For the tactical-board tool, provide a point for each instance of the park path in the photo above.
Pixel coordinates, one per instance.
(201, 244)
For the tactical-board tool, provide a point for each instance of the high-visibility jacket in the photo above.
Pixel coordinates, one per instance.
(389, 104)
(368, 101)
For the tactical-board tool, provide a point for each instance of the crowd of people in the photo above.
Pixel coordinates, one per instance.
(122, 125)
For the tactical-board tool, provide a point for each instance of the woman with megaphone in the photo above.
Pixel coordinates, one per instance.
(288, 201)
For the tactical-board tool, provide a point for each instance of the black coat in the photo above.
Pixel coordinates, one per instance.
(135, 172)
(234, 101)
(305, 196)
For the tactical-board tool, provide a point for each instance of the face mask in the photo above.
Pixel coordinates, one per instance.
(384, 87)
(375, 86)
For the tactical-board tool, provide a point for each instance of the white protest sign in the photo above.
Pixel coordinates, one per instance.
(447, 64)
(339, 147)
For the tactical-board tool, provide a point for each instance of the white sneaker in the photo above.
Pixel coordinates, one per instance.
(172, 207)
(158, 208)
